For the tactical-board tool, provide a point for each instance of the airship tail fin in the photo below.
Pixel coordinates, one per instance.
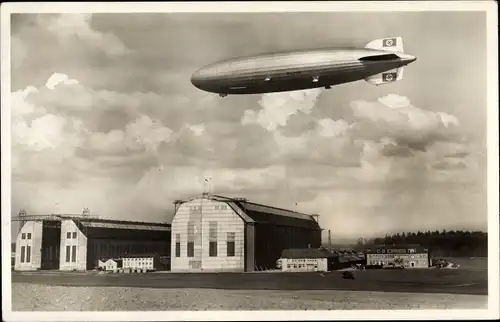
(389, 76)
(393, 44)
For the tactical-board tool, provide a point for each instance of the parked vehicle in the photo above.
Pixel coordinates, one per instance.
(348, 275)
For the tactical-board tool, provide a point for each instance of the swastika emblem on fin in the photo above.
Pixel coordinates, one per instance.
(389, 77)
(389, 42)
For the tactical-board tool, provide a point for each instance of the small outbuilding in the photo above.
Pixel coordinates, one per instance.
(110, 264)
(306, 260)
(141, 262)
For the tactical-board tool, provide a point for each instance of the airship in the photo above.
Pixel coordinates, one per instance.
(380, 62)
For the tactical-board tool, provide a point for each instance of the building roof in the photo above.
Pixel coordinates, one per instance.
(252, 212)
(117, 224)
(140, 255)
(419, 248)
(298, 253)
(102, 223)
(105, 259)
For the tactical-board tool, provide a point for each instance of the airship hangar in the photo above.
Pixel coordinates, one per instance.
(208, 233)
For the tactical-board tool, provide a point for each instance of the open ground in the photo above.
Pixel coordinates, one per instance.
(372, 289)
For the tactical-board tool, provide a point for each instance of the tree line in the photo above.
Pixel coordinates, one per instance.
(453, 243)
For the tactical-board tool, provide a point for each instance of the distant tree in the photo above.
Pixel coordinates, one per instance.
(444, 243)
(360, 242)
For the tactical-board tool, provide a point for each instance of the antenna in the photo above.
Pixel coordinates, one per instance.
(330, 239)
(207, 186)
(22, 217)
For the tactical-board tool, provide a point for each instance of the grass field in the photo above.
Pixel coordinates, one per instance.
(29, 297)
(458, 281)
(469, 262)
(462, 288)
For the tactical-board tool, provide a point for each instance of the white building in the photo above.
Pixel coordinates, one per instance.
(306, 260)
(215, 233)
(110, 264)
(69, 242)
(141, 262)
(409, 256)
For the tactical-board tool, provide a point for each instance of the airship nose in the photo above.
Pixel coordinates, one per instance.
(197, 78)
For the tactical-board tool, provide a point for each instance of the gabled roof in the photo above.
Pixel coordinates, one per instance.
(141, 255)
(106, 259)
(252, 212)
(299, 253)
(100, 222)
(373, 248)
(120, 224)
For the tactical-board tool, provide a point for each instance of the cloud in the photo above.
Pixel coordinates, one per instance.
(57, 79)
(394, 117)
(121, 130)
(278, 107)
(450, 163)
(18, 51)
(76, 27)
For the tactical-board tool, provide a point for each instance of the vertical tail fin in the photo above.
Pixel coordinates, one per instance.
(394, 44)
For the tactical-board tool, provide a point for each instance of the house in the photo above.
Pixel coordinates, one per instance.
(306, 260)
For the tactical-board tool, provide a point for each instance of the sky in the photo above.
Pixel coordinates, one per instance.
(104, 117)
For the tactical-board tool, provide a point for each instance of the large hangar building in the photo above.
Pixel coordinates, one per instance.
(69, 242)
(216, 233)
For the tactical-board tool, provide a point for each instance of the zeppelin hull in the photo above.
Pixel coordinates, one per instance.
(292, 72)
(292, 79)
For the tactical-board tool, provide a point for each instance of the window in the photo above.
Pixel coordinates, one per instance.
(28, 254)
(74, 235)
(190, 239)
(29, 235)
(230, 244)
(190, 249)
(73, 254)
(230, 249)
(23, 236)
(23, 251)
(68, 235)
(212, 252)
(195, 209)
(68, 253)
(178, 245)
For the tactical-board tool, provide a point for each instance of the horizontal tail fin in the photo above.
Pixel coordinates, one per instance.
(379, 57)
(394, 44)
(389, 76)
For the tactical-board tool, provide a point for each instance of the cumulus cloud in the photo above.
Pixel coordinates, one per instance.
(57, 79)
(77, 27)
(197, 129)
(396, 152)
(394, 117)
(278, 107)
